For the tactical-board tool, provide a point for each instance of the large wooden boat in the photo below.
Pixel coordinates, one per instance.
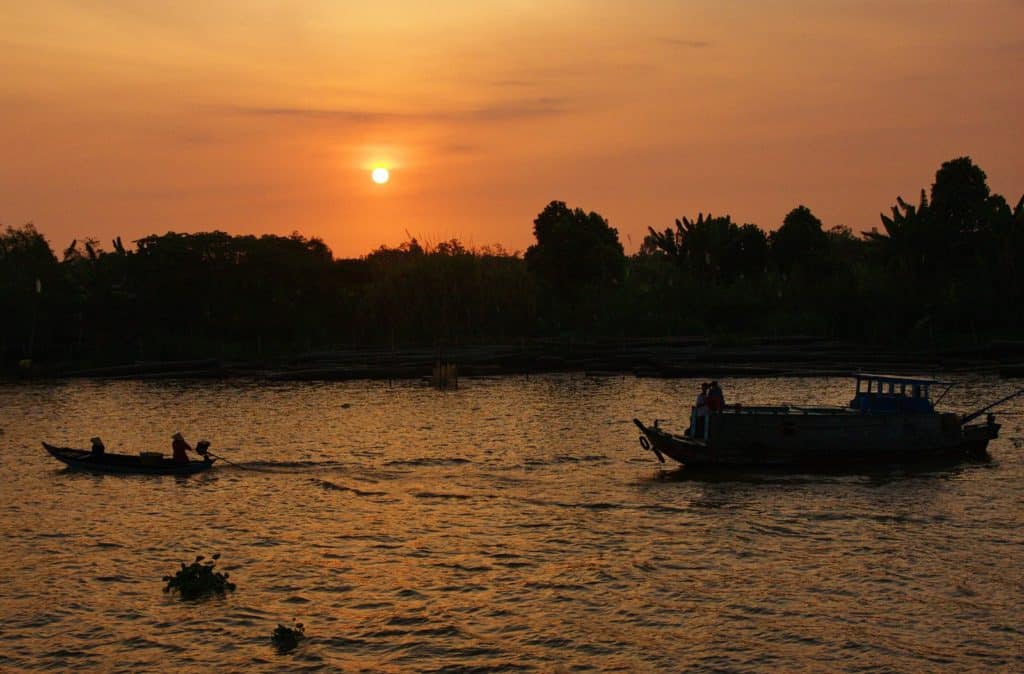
(83, 459)
(890, 420)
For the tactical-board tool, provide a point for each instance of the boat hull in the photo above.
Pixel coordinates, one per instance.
(786, 441)
(82, 459)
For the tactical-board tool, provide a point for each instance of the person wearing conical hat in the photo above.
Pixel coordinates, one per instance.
(180, 448)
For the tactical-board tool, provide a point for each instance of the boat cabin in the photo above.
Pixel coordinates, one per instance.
(887, 394)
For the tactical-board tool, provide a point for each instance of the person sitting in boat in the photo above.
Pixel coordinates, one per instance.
(716, 399)
(97, 448)
(180, 448)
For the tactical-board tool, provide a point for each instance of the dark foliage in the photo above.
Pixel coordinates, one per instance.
(798, 244)
(198, 580)
(942, 270)
(287, 638)
(712, 250)
(577, 259)
(27, 268)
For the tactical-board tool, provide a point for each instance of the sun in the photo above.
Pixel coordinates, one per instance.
(381, 175)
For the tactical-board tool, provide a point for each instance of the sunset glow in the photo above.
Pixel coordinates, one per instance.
(512, 334)
(127, 121)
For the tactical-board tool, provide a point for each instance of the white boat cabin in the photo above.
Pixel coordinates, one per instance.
(887, 394)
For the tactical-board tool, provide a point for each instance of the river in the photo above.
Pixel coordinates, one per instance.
(512, 525)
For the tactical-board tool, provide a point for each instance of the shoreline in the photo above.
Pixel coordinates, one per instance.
(654, 358)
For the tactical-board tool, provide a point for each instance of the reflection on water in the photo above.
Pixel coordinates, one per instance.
(514, 524)
(941, 467)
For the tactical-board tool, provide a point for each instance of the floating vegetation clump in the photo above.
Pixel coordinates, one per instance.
(198, 579)
(287, 638)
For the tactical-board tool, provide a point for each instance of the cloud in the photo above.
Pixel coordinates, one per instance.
(546, 106)
(459, 149)
(691, 44)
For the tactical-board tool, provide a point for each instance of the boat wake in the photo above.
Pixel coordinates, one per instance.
(331, 486)
(284, 466)
(427, 461)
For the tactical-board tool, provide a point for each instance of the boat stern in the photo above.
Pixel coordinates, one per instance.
(974, 438)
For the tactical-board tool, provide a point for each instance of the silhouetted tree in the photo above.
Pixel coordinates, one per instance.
(798, 242)
(960, 198)
(906, 246)
(712, 249)
(441, 294)
(28, 268)
(1006, 261)
(950, 253)
(751, 251)
(577, 255)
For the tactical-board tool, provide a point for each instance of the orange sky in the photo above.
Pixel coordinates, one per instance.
(132, 118)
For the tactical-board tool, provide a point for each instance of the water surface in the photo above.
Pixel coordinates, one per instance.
(512, 525)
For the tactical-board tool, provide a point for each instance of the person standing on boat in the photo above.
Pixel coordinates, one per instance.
(700, 411)
(180, 448)
(716, 399)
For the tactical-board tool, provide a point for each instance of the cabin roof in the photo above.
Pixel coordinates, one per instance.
(893, 379)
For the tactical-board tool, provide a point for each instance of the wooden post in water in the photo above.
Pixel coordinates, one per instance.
(445, 375)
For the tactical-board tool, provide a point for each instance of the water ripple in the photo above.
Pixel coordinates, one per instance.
(466, 541)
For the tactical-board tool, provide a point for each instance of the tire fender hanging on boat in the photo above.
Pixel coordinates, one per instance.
(645, 442)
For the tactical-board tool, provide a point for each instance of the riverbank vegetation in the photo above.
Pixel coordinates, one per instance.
(941, 269)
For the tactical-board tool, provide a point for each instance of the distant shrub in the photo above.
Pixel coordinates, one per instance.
(287, 638)
(198, 579)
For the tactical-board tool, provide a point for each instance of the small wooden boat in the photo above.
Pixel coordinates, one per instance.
(890, 420)
(83, 459)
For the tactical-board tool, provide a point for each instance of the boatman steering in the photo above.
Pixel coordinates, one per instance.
(180, 448)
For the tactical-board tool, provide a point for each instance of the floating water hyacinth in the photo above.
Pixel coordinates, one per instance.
(287, 638)
(198, 579)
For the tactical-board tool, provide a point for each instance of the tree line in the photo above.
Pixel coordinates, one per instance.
(941, 270)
